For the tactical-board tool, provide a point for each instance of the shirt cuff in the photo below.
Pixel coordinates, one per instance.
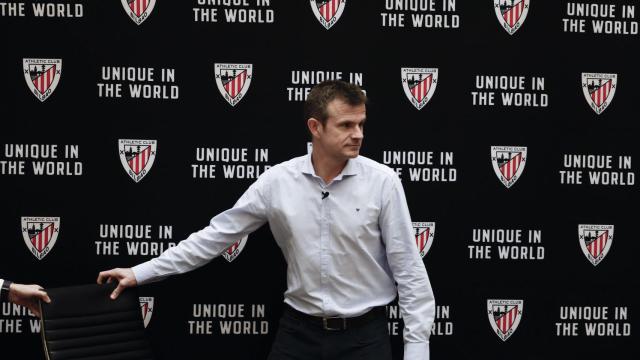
(416, 351)
(144, 273)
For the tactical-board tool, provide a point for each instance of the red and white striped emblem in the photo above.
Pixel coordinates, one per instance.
(599, 89)
(419, 84)
(40, 234)
(328, 12)
(40, 238)
(138, 10)
(421, 239)
(43, 79)
(511, 13)
(137, 156)
(595, 241)
(601, 92)
(233, 81)
(421, 88)
(138, 6)
(233, 248)
(504, 316)
(42, 76)
(596, 246)
(505, 320)
(232, 252)
(510, 167)
(508, 163)
(424, 233)
(328, 8)
(146, 306)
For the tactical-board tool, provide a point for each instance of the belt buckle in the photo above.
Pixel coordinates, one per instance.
(326, 326)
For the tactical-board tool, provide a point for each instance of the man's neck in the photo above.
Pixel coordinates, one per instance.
(326, 167)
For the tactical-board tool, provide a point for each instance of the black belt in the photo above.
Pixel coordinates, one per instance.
(337, 323)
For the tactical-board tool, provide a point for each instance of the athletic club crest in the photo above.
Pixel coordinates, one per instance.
(419, 84)
(137, 157)
(138, 10)
(508, 163)
(146, 305)
(599, 89)
(233, 81)
(40, 234)
(595, 241)
(328, 12)
(504, 316)
(234, 250)
(424, 231)
(511, 13)
(42, 76)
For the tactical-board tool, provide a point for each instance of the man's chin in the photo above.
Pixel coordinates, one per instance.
(353, 154)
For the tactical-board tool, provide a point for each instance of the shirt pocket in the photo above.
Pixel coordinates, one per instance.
(357, 224)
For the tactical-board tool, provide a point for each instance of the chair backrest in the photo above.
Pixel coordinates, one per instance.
(83, 323)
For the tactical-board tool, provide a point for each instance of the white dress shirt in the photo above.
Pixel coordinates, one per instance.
(345, 253)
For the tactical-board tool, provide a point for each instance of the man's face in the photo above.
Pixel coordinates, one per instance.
(341, 137)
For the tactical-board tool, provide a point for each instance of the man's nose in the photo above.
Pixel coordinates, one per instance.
(358, 133)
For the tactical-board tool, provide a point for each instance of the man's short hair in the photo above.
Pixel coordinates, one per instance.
(322, 94)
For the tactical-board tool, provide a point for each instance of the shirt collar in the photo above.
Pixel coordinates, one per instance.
(307, 166)
(350, 169)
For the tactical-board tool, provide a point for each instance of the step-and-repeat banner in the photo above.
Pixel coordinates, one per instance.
(126, 125)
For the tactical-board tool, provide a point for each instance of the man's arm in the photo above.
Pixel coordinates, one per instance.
(247, 215)
(416, 301)
(25, 295)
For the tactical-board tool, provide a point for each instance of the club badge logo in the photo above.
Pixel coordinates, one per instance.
(146, 306)
(419, 84)
(328, 12)
(137, 157)
(425, 232)
(40, 234)
(138, 10)
(233, 81)
(42, 76)
(511, 13)
(504, 316)
(234, 250)
(595, 241)
(508, 163)
(599, 89)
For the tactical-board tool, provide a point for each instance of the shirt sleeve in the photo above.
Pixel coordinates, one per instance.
(247, 215)
(415, 296)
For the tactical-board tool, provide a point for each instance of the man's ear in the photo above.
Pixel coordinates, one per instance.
(315, 126)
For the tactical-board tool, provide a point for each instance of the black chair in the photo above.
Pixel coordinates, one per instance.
(83, 323)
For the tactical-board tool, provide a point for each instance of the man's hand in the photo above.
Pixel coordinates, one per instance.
(28, 296)
(125, 278)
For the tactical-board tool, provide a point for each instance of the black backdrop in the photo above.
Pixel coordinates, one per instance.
(97, 193)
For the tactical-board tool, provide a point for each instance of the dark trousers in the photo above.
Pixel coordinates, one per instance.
(298, 339)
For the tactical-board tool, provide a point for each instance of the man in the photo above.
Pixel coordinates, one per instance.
(25, 295)
(343, 225)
